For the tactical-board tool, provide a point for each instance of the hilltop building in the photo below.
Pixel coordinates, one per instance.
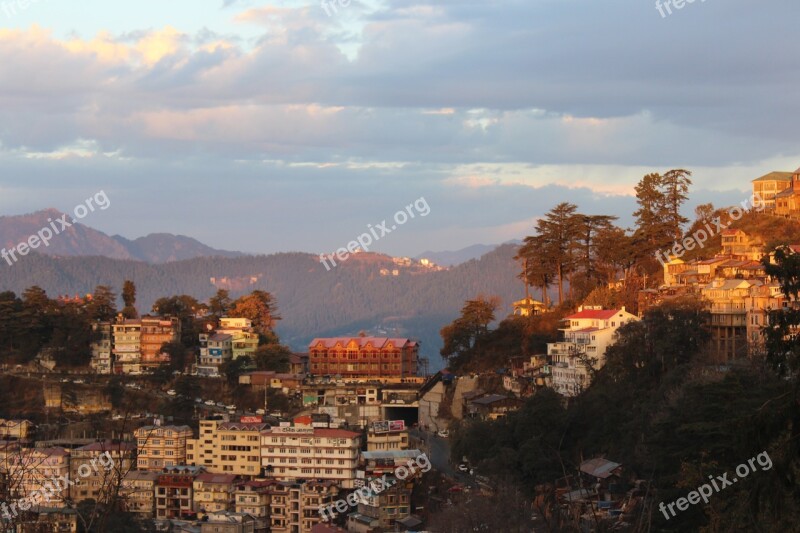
(101, 348)
(769, 185)
(529, 307)
(155, 332)
(787, 201)
(215, 349)
(587, 335)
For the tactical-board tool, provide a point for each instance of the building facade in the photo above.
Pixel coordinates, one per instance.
(227, 447)
(161, 446)
(127, 345)
(101, 347)
(364, 357)
(587, 335)
(297, 452)
(215, 349)
(155, 333)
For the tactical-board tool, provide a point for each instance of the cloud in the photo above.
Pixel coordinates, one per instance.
(510, 101)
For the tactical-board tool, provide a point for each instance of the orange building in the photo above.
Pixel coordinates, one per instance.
(363, 357)
(155, 333)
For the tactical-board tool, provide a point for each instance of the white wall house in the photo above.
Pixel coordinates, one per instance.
(587, 335)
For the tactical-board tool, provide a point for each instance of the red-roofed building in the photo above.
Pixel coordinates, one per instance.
(586, 336)
(363, 357)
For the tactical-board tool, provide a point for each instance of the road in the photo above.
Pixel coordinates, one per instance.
(437, 449)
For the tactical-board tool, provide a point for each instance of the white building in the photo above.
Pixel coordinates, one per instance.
(590, 331)
(298, 452)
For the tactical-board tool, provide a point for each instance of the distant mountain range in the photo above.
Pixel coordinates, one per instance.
(456, 257)
(369, 292)
(80, 240)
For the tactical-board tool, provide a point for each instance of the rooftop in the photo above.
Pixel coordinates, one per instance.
(594, 314)
(376, 342)
(781, 176)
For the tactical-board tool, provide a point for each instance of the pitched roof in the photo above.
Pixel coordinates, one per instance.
(594, 314)
(781, 176)
(599, 467)
(377, 342)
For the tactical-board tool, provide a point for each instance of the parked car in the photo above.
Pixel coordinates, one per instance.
(78, 382)
(220, 404)
(444, 433)
(209, 402)
(198, 400)
(261, 412)
(230, 407)
(463, 468)
(172, 392)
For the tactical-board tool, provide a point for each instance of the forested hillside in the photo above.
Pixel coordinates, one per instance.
(312, 300)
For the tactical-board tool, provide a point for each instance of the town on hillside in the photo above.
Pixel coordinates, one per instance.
(197, 418)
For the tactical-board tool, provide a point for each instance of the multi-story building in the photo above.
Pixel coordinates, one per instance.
(298, 452)
(763, 299)
(138, 492)
(386, 507)
(161, 446)
(387, 435)
(253, 497)
(587, 335)
(244, 337)
(213, 492)
(32, 470)
(294, 507)
(155, 332)
(127, 345)
(227, 447)
(175, 492)
(363, 357)
(736, 244)
(728, 326)
(215, 349)
(98, 468)
(768, 186)
(101, 347)
(787, 202)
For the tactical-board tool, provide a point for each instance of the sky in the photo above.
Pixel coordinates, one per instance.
(292, 126)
